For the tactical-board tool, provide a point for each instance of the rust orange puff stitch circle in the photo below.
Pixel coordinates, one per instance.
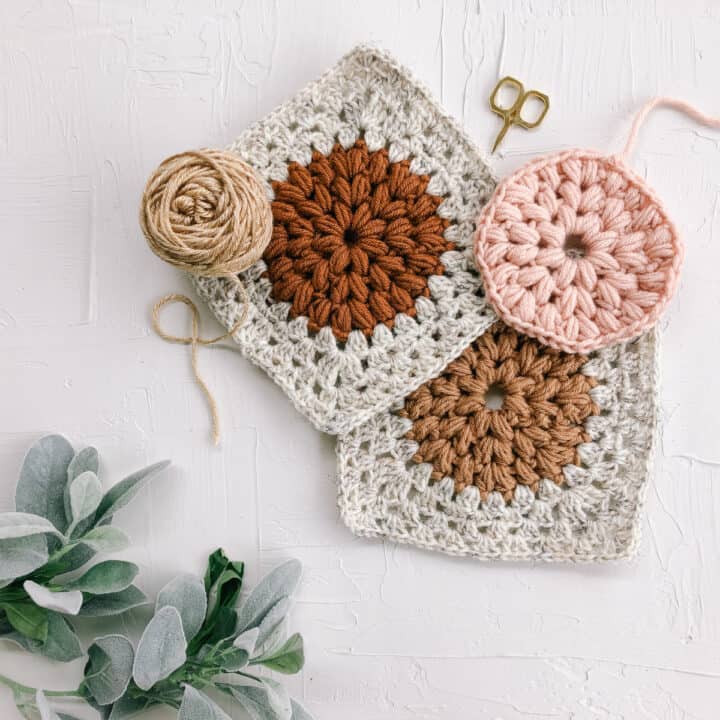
(355, 239)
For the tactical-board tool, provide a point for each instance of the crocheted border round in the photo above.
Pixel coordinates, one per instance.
(496, 277)
(594, 516)
(339, 385)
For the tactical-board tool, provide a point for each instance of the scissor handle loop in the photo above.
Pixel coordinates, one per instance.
(507, 80)
(543, 98)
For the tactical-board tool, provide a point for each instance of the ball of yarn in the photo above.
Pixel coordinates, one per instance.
(206, 212)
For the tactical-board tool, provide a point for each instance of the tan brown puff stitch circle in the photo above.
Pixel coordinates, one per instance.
(355, 239)
(533, 434)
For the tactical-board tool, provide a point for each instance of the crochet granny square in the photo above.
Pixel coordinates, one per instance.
(516, 451)
(368, 287)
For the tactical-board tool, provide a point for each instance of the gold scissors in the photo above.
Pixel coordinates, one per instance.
(513, 114)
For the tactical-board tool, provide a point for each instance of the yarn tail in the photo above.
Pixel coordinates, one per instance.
(673, 103)
(194, 340)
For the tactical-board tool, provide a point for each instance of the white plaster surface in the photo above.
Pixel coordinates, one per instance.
(93, 94)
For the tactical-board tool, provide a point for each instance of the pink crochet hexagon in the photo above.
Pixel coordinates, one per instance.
(577, 251)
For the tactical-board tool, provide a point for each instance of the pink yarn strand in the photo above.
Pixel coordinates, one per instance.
(679, 105)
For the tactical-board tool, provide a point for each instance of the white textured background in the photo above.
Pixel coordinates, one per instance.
(93, 94)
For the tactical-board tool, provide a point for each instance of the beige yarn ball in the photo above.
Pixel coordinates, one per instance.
(206, 212)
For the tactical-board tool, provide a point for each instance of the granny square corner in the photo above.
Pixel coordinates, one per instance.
(368, 287)
(555, 469)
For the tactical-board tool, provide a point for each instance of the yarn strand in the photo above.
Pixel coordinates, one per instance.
(675, 104)
(194, 340)
(205, 212)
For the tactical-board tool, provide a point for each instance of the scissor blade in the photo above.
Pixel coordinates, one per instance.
(502, 133)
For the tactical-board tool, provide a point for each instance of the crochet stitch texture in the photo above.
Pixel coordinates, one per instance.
(347, 324)
(354, 241)
(390, 487)
(577, 251)
(533, 433)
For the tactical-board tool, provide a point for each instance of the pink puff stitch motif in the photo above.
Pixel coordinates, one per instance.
(577, 251)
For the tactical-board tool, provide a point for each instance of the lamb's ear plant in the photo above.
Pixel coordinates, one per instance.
(200, 640)
(61, 521)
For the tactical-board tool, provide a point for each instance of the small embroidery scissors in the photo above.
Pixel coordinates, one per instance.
(513, 114)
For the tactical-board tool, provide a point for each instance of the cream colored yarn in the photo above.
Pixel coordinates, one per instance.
(339, 384)
(205, 212)
(595, 515)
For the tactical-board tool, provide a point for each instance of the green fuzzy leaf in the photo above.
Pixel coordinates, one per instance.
(105, 539)
(109, 668)
(238, 656)
(247, 640)
(5, 626)
(109, 576)
(198, 706)
(223, 582)
(68, 603)
(28, 619)
(20, 525)
(186, 594)
(271, 629)
(12, 594)
(43, 477)
(287, 659)
(275, 586)
(118, 496)
(278, 698)
(62, 643)
(113, 603)
(232, 659)
(84, 461)
(161, 649)
(275, 640)
(103, 711)
(223, 626)
(66, 560)
(127, 707)
(262, 699)
(20, 556)
(85, 493)
(217, 562)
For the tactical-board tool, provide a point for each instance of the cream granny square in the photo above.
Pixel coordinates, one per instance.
(369, 286)
(592, 512)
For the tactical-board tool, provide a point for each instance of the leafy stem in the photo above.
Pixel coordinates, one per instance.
(19, 687)
(56, 557)
(201, 637)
